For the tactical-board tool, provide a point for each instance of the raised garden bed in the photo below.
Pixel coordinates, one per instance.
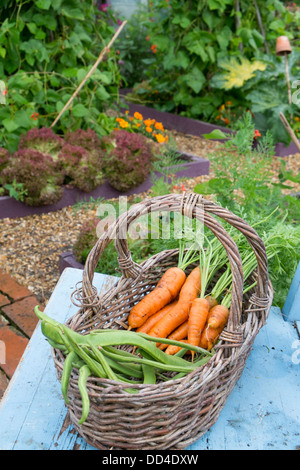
(193, 126)
(9, 207)
(68, 260)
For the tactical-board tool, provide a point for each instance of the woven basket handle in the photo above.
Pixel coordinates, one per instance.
(194, 206)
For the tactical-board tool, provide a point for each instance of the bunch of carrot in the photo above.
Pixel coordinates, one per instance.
(185, 308)
(178, 308)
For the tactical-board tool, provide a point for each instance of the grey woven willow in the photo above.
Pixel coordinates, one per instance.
(175, 413)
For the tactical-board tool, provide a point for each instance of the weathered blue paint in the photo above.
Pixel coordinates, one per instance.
(291, 308)
(262, 412)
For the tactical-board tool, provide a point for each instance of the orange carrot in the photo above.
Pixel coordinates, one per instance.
(179, 314)
(178, 334)
(146, 327)
(212, 301)
(172, 349)
(165, 292)
(218, 316)
(216, 321)
(209, 337)
(197, 320)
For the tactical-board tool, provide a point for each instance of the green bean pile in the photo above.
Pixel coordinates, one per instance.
(97, 354)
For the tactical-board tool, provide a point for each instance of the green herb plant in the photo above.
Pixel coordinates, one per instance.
(16, 190)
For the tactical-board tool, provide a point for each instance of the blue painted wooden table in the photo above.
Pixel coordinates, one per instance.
(262, 412)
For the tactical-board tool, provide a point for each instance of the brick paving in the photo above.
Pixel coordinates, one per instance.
(17, 323)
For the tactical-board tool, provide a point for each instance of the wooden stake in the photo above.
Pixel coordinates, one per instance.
(238, 21)
(289, 130)
(104, 51)
(288, 77)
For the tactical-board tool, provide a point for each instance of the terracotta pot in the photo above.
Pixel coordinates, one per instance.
(283, 45)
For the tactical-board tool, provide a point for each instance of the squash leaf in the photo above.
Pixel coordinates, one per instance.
(237, 71)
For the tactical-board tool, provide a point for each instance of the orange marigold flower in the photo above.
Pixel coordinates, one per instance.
(226, 120)
(159, 126)
(123, 123)
(147, 38)
(138, 124)
(160, 138)
(138, 116)
(148, 122)
(149, 129)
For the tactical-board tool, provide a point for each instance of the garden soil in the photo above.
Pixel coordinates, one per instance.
(30, 246)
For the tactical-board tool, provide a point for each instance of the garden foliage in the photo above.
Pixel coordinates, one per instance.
(44, 162)
(46, 49)
(127, 159)
(192, 49)
(39, 175)
(244, 183)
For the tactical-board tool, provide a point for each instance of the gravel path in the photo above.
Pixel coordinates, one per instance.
(30, 246)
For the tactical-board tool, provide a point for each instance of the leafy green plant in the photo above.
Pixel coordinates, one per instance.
(163, 180)
(266, 95)
(244, 183)
(126, 159)
(189, 42)
(244, 177)
(45, 162)
(236, 71)
(241, 172)
(16, 190)
(133, 49)
(46, 50)
(80, 159)
(285, 175)
(35, 176)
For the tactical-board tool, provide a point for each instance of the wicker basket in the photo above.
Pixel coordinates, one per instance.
(176, 413)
